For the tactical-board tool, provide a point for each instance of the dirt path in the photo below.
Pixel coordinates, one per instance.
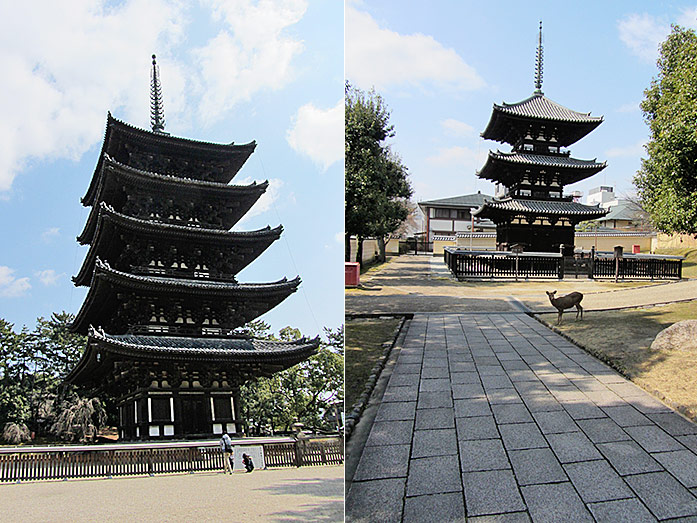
(423, 284)
(308, 494)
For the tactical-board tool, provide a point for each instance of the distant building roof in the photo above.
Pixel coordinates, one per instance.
(624, 210)
(466, 200)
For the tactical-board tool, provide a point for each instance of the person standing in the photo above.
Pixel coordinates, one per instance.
(226, 447)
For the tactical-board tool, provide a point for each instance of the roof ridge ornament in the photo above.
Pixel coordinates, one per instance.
(539, 59)
(157, 110)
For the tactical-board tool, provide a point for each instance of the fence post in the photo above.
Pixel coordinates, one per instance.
(298, 453)
(591, 263)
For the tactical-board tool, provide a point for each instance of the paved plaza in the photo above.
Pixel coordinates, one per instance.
(490, 416)
(306, 494)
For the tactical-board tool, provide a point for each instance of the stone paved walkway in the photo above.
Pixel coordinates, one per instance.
(493, 417)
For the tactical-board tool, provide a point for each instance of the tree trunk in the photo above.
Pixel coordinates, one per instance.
(347, 247)
(359, 250)
(381, 249)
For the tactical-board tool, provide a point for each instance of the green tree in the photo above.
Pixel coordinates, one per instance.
(32, 368)
(667, 180)
(304, 392)
(376, 183)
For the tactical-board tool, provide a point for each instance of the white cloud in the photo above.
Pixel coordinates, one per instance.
(60, 77)
(267, 200)
(632, 107)
(48, 277)
(319, 134)
(379, 57)
(688, 17)
(81, 58)
(457, 128)
(252, 54)
(457, 156)
(49, 234)
(10, 286)
(642, 34)
(636, 150)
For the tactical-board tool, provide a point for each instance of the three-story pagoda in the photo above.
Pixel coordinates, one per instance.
(531, 211)
(164, 307)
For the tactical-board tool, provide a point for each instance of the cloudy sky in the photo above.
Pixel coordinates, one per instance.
(264, 70)
(441, 68)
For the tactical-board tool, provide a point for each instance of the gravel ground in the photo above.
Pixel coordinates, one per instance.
(308, 494)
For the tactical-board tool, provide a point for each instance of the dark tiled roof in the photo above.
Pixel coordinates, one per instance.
(221, 347)
(110, 221)
(539, 106)
(103, 270)
(103, 350)
(466, 200)
(114, 173)
(545, 207)
(507, 168)
(546, 161)
(511, 122)
(182, 230)
(117, 130)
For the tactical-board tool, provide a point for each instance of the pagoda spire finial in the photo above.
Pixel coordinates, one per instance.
(157, 111)
(539, 59)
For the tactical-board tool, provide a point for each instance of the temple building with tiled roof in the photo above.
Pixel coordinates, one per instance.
(530, 209)
(164, 313)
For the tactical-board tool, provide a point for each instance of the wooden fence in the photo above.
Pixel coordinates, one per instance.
(140, 459)
(638, 266)
(503, 264)
(466, 264)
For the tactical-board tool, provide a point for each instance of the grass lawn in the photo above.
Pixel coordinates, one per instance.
(622, 338)
(689, 264)
(364, 339)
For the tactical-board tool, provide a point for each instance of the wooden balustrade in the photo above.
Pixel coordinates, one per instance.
(466, 264)
(140, 459)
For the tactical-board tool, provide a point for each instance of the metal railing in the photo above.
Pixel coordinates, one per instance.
(140, 459)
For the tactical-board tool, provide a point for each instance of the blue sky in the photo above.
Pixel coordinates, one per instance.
(441, 67)
(270, 71)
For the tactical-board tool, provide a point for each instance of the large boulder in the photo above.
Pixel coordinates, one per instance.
(679, 336)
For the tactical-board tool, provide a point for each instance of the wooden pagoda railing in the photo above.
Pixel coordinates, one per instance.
(638, 266)
(466, 264)
(141, 459)
(503, 264)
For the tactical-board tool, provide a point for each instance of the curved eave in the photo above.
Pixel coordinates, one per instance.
(104, 349)
(508, 120)
(539, 208)
(162, 184)
(117, 130)
(230, 351)
(106, 281)
(504, 167)
(109, 220)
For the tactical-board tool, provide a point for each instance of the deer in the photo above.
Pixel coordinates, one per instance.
(566, 302)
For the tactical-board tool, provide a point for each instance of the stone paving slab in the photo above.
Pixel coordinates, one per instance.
(493, 417)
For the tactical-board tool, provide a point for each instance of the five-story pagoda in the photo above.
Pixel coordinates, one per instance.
(531, 210)
(164, 308)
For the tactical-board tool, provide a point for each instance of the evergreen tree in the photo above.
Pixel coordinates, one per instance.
(667, 179)
(376, 183)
